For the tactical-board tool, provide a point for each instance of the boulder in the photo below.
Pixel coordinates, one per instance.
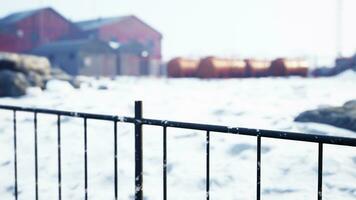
(35, 80)
(24, 63)
(342, 117)
(19, 71)
(323, 71)
(12, 84)
(58, 74)
(103, 87)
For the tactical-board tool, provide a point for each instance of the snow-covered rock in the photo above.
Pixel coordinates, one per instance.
(59, 86)
(343, 117)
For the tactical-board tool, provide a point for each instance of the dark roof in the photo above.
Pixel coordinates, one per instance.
(97, 23)
(69, 45)
(18, 16)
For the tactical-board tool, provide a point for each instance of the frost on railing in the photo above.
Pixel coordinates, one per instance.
(138, 121)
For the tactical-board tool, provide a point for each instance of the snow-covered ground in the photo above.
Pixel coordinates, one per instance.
(289, 168)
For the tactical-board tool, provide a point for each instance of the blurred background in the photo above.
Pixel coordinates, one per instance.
(315, 31)
(226, 28)
(285, 65)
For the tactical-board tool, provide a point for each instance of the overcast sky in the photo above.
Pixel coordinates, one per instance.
(262, 28)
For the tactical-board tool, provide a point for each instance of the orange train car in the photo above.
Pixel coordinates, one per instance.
(257, 68)
(212, 67)
(289, 67)
(182, 67)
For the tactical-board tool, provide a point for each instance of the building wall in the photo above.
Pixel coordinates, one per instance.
(98, 65)
(9, 42)
(155, 67)
(67, 61)
(133, 29)
(41, 28)
(129, 65)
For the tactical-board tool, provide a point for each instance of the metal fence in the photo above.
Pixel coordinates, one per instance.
(138, 121)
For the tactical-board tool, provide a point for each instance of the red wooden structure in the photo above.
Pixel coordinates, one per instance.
(124, 29)
(23, 31)
(140, 44)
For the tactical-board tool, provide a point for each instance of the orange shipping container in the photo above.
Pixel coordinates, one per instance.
(257, 68)
(212, 67)
(289, 67)
(181, 67)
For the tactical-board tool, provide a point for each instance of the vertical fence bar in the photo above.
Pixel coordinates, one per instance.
(85, 160)
(138, 152)
(36, 153)
(59, 157)
(164, 163)
(15, 154)
(115, 160)
(258, 194)
(207, 165)
(320, 171)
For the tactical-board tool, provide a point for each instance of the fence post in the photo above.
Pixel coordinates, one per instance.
(138, 152)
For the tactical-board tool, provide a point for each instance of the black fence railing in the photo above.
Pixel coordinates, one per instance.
(138, 121)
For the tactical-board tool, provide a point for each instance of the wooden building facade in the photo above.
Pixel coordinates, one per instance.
(140, 44)
(137, 49)
(81, 57)
(24, 31)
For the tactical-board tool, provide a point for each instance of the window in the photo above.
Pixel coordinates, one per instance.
(87, 61)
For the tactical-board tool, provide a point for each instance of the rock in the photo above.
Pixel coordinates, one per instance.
(19, 71)
(75, 83)
(35, 80)
(342, 117)
(24, 63)
(32, 68)
(12, 84)
(350, 104)
(323, 71)
(58, 74)
(103, 87)
(344, 63)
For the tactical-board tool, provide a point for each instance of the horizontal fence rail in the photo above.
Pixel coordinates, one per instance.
(139, 121)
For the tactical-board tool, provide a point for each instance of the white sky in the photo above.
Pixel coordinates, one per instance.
(256, 28)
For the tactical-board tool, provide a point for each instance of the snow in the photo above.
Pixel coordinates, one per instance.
(289, 168)
(59, 86)
(348, 74)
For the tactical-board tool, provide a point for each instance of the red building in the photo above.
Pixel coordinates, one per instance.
(140, 44)
(137, 46)
(23, 31)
